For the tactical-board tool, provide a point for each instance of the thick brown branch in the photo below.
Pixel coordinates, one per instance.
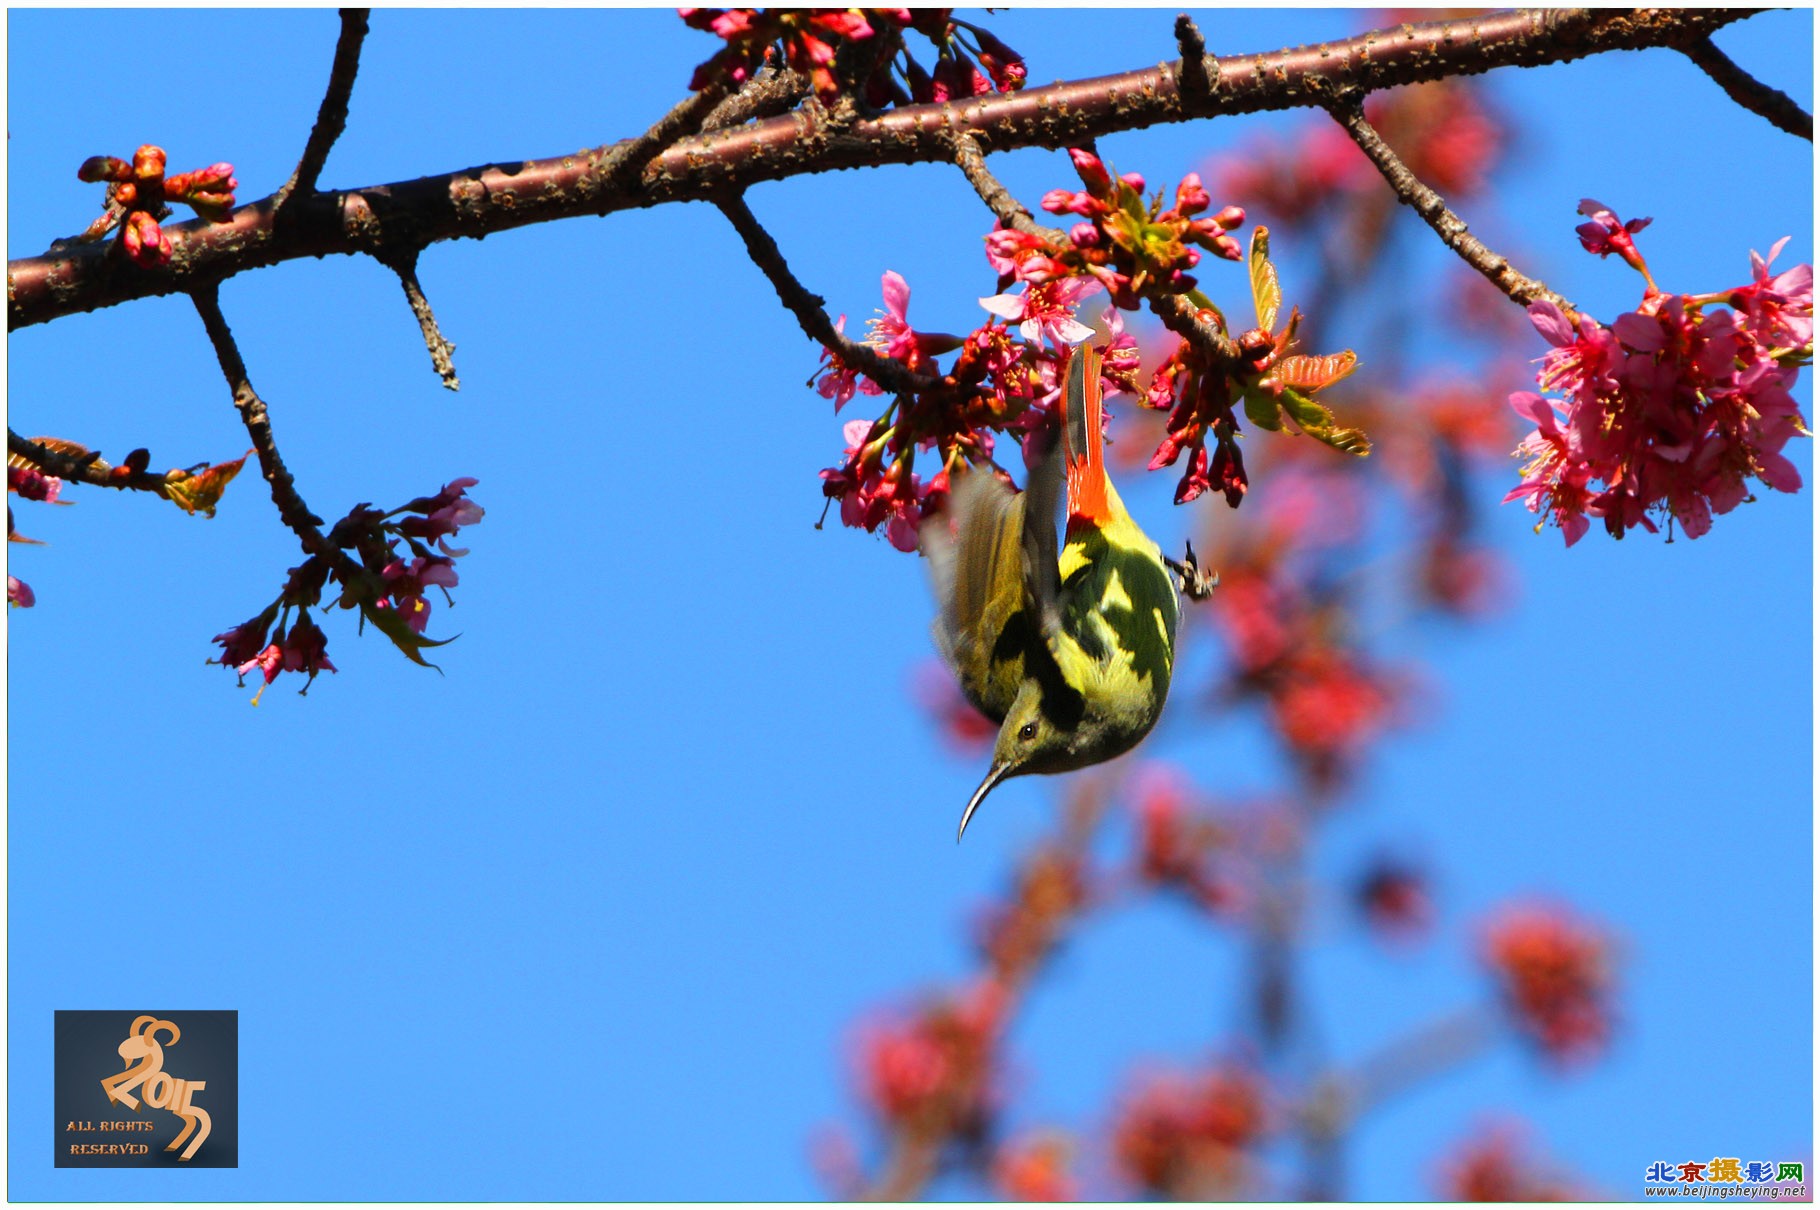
(807, 307)
(291, 508)
(1771, 104)
(332, 116)
(441, 348)
(476, 202)
(1426, 202)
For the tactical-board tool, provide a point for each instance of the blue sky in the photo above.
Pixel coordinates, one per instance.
(592, 914)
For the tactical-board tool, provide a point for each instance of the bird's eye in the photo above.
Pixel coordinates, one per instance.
(1027, 731)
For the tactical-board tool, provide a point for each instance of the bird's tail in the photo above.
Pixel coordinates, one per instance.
(1083, 424)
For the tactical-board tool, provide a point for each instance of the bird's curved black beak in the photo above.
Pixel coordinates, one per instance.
(994, 776)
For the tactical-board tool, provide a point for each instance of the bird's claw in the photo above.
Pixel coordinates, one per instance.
(1197, 584)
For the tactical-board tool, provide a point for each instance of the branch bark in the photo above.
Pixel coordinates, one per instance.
(476, 202)
(1433, 208)
(1771, 104)
(332, 116)
(295, 514)
(807, 307)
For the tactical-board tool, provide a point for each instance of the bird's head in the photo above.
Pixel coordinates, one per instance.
(1029, 741)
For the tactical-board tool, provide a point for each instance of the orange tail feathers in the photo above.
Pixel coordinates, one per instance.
(1083, 423)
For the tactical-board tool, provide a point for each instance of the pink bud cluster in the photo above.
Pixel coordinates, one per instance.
(935, 1068)
(995, 383)
(1132, 246)
(1553, 972)
(1187, 1137)
(970, 61)
(138, 194)
(386, 585)
(1180, 844)
(1665, 414)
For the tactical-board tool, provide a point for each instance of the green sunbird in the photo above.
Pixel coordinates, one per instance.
(1071, 655)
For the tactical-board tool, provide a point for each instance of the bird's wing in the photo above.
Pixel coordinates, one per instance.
(978, 571)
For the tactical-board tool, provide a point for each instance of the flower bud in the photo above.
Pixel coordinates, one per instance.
(1190, 197)
(104, 168)
(1092, 171)
(148, 162)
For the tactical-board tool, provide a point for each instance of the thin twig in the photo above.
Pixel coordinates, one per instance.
(1184, 319)
(291, 509)
(1772, 104)
(971, 160)
(479, 201)
(627, 161)
(441, 348)
(776, 91)
(807, 307)
(89, 468)
(1430, 1050)
(1410, 190)
(332, 116)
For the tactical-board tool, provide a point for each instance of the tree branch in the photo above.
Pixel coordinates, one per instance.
(1774, 105)
(807, 307)
(332, 116)
(1192, 81)
(475, 202)
(1433, 209)
(441, 347)
(291, 508)
(89, 467)
(1011, 212)
(776, 91)
(625, 162)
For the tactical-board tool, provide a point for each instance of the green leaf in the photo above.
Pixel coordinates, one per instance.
(1318, 423)
(1262, 410)
(392, 624)
(1266, 293)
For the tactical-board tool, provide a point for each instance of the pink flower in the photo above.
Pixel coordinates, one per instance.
(270, 661)
(1553, 476)
(891, 331)
(892, 334)
(33, 484)
(444, 513)
(1667, 412)
(19, 593)
(1606, 235)
(839, 381)
(241, 646)
(1045, 311)
(306, 649)
(1778, 311)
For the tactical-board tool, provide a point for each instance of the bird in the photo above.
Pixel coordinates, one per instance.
(1070, 652)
